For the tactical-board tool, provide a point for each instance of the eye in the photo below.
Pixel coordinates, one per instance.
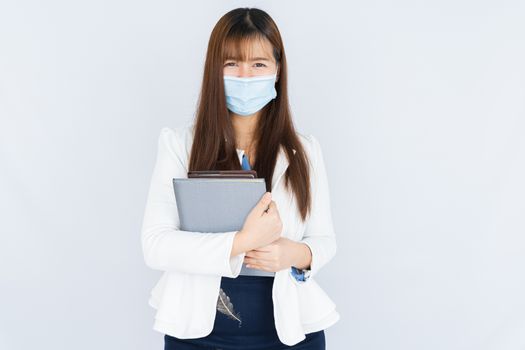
(263, 65)
(228, 64)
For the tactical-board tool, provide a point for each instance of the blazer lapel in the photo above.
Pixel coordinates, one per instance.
(280, 166)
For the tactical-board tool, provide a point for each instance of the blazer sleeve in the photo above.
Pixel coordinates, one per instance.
(167, 248)
(319, 233)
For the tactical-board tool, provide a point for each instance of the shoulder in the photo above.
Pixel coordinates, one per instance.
(310, 144)
(176, 140)
(178, 134)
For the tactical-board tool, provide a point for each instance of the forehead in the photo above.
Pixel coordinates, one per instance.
(248, 49)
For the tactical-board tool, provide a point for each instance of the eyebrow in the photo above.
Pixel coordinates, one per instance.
(253, 59)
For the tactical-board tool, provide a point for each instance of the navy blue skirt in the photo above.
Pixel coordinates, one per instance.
(247, 321)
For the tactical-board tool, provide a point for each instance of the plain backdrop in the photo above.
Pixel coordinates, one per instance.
(419, 109)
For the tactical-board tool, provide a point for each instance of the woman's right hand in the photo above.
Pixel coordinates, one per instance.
(263, 224)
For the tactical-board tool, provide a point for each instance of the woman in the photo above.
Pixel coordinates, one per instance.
(243, 122)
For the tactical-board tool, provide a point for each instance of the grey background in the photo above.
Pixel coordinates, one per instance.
(419, 108)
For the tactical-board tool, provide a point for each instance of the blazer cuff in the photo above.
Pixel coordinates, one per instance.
(234, 265)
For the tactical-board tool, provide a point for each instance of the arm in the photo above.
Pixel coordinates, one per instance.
(319, 234)
(302, 256)
(240, 244)
(164, 245)
(301, 269)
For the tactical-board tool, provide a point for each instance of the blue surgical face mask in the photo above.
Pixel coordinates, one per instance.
(245, 96)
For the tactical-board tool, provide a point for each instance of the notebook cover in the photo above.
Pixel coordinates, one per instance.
(218, 205)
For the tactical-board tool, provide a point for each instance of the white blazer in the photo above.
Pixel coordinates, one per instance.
(186, 295)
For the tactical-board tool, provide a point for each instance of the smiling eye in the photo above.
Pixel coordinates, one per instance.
(263, 65)
(228, 64)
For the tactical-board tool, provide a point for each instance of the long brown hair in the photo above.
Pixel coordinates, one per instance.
(214, 145)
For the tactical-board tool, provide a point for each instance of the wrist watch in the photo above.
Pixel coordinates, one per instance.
(300, 274)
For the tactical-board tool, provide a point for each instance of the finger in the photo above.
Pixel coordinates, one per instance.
(262, 249)
(250, 254)
(258, 260)
(271, 207)
(265, 200)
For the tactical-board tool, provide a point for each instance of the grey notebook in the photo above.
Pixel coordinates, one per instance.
(218, 205)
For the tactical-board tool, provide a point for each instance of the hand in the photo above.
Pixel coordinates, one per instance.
(273, 257)
(263, 224)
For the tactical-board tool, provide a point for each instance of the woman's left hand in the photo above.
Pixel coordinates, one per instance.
(273, 257)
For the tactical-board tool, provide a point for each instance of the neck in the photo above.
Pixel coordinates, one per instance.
(244, 127)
